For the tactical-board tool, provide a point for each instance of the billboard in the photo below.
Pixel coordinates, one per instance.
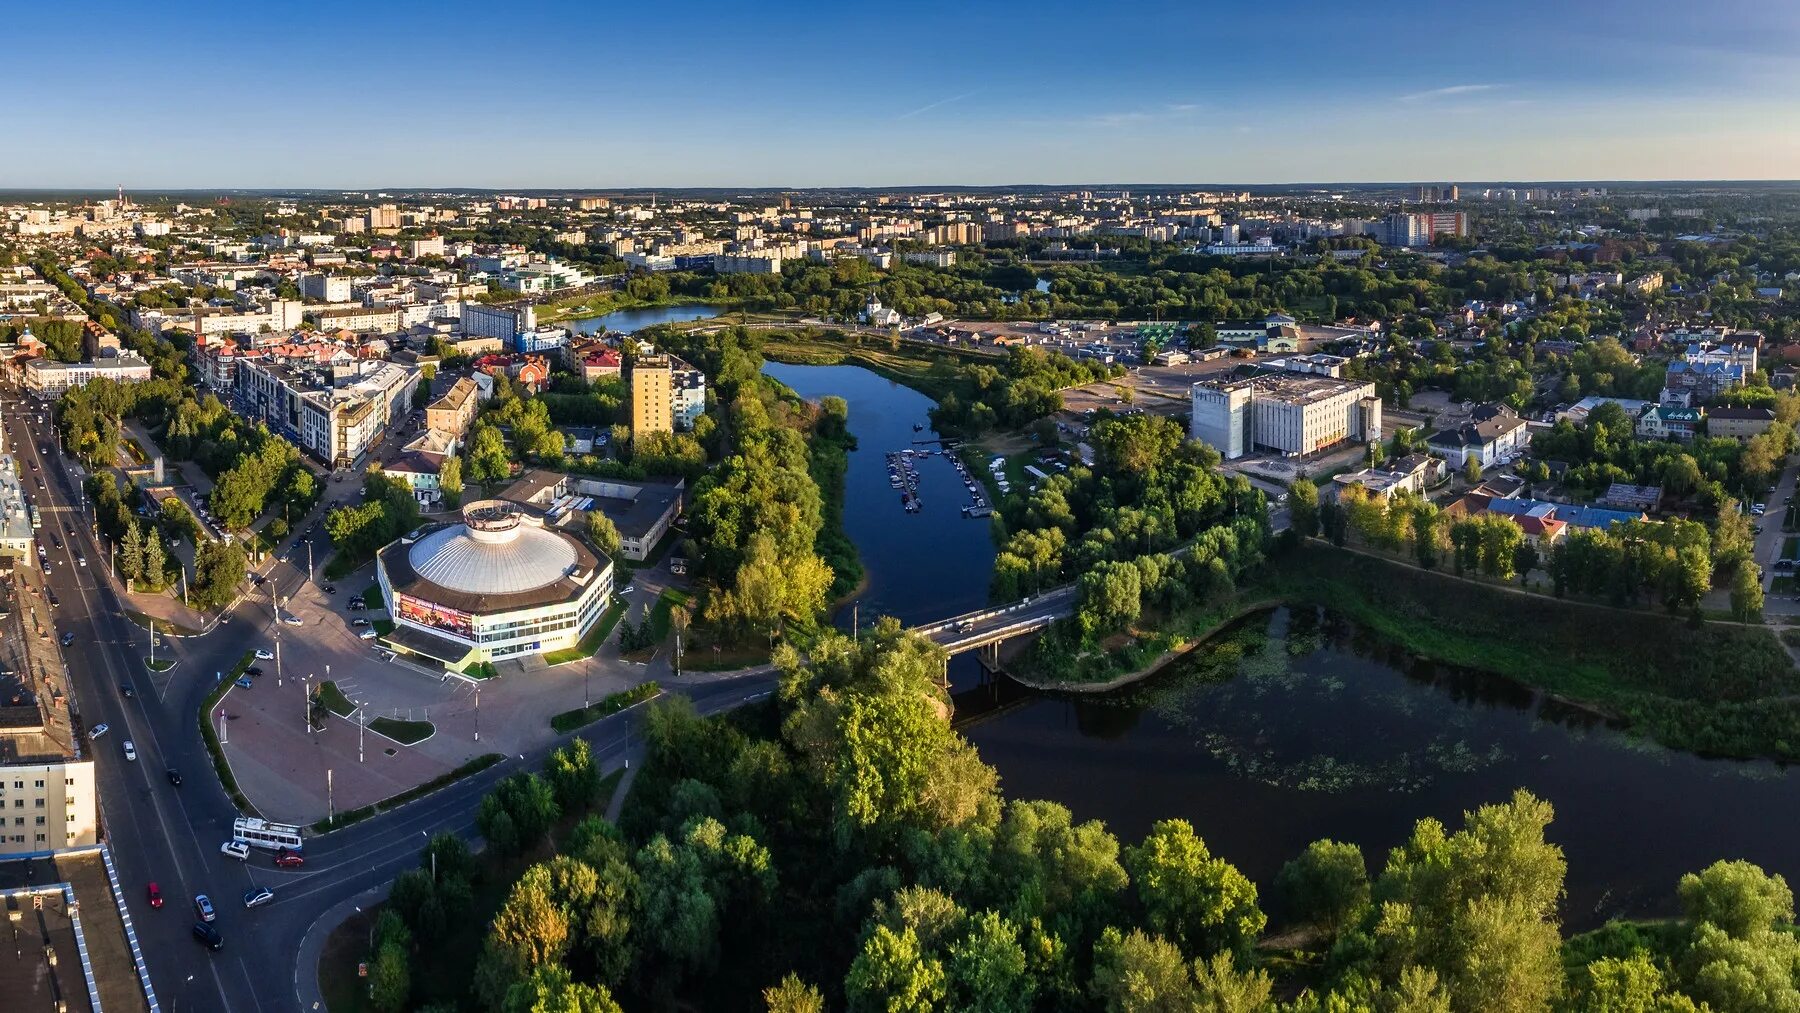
(437, 617)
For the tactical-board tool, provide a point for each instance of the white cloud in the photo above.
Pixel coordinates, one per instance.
(933, 105)
(1452, 90)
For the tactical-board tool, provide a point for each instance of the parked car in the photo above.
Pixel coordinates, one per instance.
(359, 621)
(203, 907)
(98, 730)
(367, 635)
(155, 896)
(264, 654)
(130, 751)
(244, 681)
(209, 935)
(257, 896)
(331, 589)
(236, 849)
(253, 670)
(67, 639)
(293, 620)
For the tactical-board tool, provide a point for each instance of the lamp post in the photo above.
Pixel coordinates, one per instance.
(478, 714)
(361, 723)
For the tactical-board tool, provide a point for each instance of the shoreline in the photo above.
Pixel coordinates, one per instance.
(1158, 664)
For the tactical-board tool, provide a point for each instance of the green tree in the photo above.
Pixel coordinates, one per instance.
(390, 978)
(1326, 886)
(603, 533)
(1222, 988)
(574, 776)
(1738, 897)
(131, 553)
(1138, 973)
(987, 967)
(489, 460)
(1747, 593)
(1303, 506)
(894, 974)
(791, 995)
(551, 989)
(1471, 469)
(450, 480)
(156, 561)
(1200, 903)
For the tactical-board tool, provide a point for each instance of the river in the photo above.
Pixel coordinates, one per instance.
(920, 567)
(1294, 726)
(627, 321)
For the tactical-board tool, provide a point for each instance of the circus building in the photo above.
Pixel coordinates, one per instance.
(496, 585)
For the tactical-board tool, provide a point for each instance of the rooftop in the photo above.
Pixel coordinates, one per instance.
(498, 559)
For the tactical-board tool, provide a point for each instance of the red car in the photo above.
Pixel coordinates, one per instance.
(155, 896)
(289, 859)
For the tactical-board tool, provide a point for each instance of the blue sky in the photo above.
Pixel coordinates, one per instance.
(700, 93)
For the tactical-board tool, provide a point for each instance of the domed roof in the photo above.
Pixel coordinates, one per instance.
(494, 551)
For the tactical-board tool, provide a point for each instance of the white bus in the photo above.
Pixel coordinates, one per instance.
(263, 834)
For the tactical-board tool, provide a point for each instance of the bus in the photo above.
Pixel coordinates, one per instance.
(263, 834)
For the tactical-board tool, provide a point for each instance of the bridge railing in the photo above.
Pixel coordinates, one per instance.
(991, 613)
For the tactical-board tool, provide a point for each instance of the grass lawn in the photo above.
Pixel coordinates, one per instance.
(404, 732)
(590, 643)
(1790, 548)
(210, 734)
(1781, 585)
(580, 717)
(159, 665)
(334, 699)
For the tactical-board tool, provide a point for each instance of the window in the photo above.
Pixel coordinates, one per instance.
(71, 817)
(18, 821)
(40, 784)
(40, 821)
(40, 838)
(69, 781)
(18, 784)
(40, 803)
(18, 803)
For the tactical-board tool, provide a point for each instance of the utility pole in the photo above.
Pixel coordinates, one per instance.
(361, 723)
(585, 667)
(478, 714)
(152, 645)
(309, 561)
(306, 691)
(330, 809)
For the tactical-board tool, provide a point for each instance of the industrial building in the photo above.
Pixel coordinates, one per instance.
(1285, 413)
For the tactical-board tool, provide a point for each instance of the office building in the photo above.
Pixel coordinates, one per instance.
(652, 409)
(502, 322)
(48, 378)
(1284, 413)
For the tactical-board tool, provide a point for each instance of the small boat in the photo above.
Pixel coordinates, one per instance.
(917, 427)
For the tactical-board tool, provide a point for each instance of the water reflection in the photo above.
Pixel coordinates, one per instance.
(1295, 725)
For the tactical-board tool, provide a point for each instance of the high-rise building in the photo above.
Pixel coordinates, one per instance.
(652, 403)
(1421, 228)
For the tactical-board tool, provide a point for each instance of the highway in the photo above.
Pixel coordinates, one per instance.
(171, 835)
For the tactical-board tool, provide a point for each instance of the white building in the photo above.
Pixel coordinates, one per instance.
(687, 394)
(1285, 413)
(498, 585)
(325, 287)
(746, 263)
(503, 322)
(48, 378)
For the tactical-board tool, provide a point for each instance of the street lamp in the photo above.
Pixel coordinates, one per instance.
(478, 714)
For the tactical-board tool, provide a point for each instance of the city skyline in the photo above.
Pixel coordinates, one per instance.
(717, 95)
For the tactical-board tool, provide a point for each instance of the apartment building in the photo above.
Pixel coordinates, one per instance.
(47, 790)
(687, 397)
(325, 288)
(455, 411)
(1423, 228)
(334, 413)
(652, 409)
(503, 322)
(379, 319)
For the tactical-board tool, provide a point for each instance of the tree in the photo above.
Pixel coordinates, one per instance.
(450, 481)
(1303, 506)
(1472, 468)
(603, 533)
(1327, 886)
(1738, 897)
(1200, 903)
(489, 460)
(1221, 988)
(156, 561)
(1524, 559)
(893, 974)
(551, 989)
(131, 553)
(574, 776)
(987, 967)
(390, 978)
(1138, 973)
(791, 995)
(1747, 593)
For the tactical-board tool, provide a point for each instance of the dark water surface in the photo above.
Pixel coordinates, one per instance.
(627, 321)
(920, 567)
(1295, 725)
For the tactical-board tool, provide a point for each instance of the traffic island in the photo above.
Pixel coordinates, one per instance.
(407, 733)
(158, 664)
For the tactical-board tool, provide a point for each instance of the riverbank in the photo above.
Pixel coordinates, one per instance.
(600, 304)
(833, 349)
(1716, 690)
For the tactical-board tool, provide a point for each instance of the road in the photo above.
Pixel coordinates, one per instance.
(171, 835)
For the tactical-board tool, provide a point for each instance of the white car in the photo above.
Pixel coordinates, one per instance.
(292, 620)
(367, 635)
(130, 751)
(235, 849)
(265, 654)
(99, 730)
(257, 896)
